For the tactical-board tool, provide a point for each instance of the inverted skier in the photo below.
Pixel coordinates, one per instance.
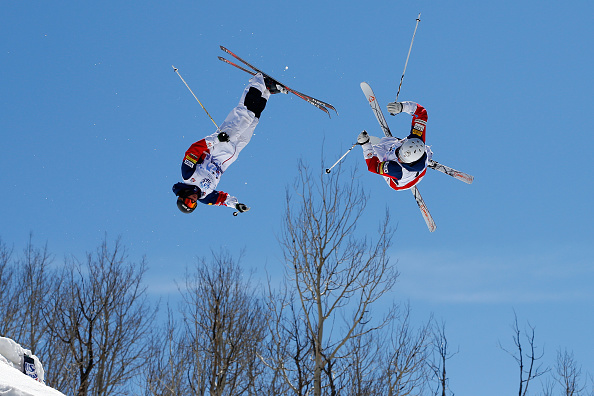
(207, 159)
(402, 162)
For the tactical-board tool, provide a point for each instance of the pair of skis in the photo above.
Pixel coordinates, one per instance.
(316, 102)
(379, 115)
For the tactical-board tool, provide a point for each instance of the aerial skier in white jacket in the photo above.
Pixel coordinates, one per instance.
(402, 162)
(207, 159)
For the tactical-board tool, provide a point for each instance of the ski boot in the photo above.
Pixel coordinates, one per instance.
(273, 86)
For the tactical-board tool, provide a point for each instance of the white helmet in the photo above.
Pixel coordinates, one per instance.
(411, 150)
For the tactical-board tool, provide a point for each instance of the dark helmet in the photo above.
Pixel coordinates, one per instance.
(183, 191)
(186, 205)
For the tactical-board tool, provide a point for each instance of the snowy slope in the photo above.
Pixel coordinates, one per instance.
(15, 383)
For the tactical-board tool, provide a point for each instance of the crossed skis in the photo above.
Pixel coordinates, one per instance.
(379, 115)
(316, 102)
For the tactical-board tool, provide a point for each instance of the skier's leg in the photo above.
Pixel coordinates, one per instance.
(240, 142)
(243, 119)
(252, 103)
(256, 96)
(246, 136)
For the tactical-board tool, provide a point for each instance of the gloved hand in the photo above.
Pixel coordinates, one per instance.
(241, 207)
(223, 137)
(273, 87)
(394, 108)
(363, 138)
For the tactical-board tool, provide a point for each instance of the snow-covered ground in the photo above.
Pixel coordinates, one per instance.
(15, 383)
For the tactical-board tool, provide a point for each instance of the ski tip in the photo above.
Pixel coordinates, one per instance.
(325, 110)
(332, 108)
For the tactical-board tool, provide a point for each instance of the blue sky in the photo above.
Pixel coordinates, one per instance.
(94, 122)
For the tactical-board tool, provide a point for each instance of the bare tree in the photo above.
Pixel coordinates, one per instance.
(548, 387)
(441, 354)
(529, 369)
(336, 274)
(390, 361)
(25, 286)
(36, 280)
(224, 326)
(165, 371)
(288, 348)
(568, 374)
(363, 371)
(406, 368)
(24, 283)
(104, 319)
(9, 307)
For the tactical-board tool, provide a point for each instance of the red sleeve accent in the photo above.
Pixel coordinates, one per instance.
(216, 198)
(198, 149)
(419, 123)
(386, 168)
(421, 113)
(373, 164)
(221, 198)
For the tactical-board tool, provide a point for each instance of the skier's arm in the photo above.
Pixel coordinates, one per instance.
(419, 120)
(387, 168)
(198, 151)
(201, 148)
(219, 198)
(194, 156)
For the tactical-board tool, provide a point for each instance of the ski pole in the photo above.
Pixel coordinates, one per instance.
(340, 159)
(409, 49)
(200, 103)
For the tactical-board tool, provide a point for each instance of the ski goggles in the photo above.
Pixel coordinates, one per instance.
(190, 203)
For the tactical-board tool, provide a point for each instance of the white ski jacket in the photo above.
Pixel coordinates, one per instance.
(382, 158)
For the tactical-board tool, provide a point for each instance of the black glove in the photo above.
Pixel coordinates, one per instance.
(241, 207)
(223, 137)
(273, 86)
